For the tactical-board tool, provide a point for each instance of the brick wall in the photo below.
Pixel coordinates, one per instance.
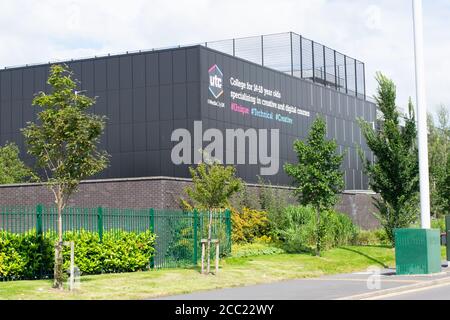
(162, 193)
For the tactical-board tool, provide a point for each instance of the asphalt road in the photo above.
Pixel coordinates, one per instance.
(325, 288)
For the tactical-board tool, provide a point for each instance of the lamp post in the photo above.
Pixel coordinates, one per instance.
(421, 116)
(418, 251)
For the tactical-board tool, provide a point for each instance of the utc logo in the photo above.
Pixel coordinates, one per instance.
(215, 81)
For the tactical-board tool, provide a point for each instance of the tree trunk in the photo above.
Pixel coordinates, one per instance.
(208, 250)
(58, 269)
(318, 231)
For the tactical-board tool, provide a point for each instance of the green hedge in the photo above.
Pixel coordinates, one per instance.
(21, 255)
(27, 256)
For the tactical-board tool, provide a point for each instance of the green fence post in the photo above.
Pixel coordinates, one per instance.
(195, 257)
(152, 229)
(100, 222)
(39, 235)
(228, 223)
(39, 219)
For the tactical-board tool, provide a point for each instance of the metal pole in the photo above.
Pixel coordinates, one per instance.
(335, 71)
(301, 57)
(345, 71)
(313, 62)
(356, 79)
(364, 79)
(421, 116)
(262, 51)
(324, 67)
(292, 56)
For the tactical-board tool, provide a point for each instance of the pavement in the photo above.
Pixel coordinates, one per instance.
(374, 284)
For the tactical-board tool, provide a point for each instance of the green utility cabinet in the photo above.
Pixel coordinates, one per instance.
(417, 251)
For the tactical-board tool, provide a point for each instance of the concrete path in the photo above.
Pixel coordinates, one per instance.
(345, 286)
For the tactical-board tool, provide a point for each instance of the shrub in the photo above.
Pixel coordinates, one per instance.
(297, 229)
(25, 255)
(438, 224)
(28, 256)
(254, 249)
(367, 238)
(343, 229)
(372, 238)
(248, 225)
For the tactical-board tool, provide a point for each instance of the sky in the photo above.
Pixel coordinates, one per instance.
(379, 33)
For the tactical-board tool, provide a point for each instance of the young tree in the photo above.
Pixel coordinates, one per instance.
(213, 185)
(317, 175)
(444, 189)
(395, 173)
(64, 144)
(439, 150)
(12, 169)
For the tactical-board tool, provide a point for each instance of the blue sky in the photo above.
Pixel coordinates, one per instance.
(376, 32)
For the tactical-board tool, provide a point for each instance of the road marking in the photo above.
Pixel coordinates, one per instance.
(400, 290)
(408, 292)
(365, 280)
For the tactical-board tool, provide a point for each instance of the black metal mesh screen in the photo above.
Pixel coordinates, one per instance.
(303, 58)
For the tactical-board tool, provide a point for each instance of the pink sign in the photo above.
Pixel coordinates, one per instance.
(240, 109)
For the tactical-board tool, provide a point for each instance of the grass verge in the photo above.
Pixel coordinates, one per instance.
(235, 271)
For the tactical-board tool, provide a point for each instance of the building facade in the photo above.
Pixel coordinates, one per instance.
(146, 96)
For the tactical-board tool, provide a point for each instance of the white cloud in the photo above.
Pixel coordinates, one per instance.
(376, 32)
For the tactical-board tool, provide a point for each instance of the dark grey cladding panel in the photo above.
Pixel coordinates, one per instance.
(16, 84)
(152, 69)
(125, 72)
(179, 66)
(100, 71)
(5, 85)
(113, 73)
(165, 68)
(138, 62)
(139, 105)
(87, 76)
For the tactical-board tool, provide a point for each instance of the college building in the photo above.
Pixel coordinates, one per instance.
(279, 81)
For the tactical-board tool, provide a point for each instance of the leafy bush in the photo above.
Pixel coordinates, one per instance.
(372, 238)
(254, 249)
(297, 229)
(438, 224)
(25, 255)
(273, 201)
(343, 229)
(248, 225)
(30, 256)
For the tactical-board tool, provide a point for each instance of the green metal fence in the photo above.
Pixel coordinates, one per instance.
(178, 233)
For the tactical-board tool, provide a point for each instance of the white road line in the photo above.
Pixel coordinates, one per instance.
(365, 280)
(408, 292)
